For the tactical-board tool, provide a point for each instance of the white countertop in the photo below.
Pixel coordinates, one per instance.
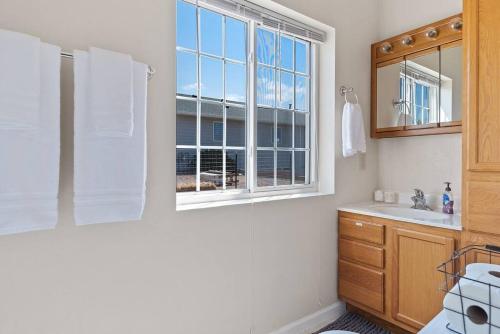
(403, 212)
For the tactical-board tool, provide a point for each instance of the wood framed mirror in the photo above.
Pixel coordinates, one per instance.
(416, 85)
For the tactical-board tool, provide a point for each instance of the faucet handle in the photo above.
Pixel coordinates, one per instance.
(419, 192)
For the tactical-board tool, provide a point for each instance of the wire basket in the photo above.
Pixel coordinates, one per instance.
(455, 281)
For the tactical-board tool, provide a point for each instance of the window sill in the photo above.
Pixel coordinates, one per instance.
(247, 200)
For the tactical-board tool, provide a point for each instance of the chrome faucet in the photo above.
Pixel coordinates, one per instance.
(419, 201)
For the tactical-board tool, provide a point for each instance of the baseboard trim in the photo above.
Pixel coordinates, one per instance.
(313, 322)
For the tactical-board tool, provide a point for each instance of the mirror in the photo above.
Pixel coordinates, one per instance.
(421, 89)
(417, 81)
(408, 91)
(390, 96)
(451, 84)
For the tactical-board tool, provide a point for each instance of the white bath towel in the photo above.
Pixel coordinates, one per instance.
(111, 93)
(20, 80)
(353, 130)
(110, 172)
(29, 159)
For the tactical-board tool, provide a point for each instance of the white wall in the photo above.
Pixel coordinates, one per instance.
(220, 271)
(421, 162)
(397, 16)
(425, 162)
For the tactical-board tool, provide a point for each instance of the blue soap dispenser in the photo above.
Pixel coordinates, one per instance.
(447, 199)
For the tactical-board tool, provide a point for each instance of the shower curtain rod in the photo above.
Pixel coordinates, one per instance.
(151, 71)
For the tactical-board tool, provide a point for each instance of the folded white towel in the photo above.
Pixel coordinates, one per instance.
(20, 80)
(111, 93)
(110, 172)
(29, 168)
(353, 130)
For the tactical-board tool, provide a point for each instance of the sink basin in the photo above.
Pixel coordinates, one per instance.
(410, 213)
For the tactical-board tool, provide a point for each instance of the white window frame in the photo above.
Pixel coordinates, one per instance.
(252, 191)
(410, 86)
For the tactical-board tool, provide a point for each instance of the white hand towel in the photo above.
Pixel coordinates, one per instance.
(353, 130)
(20, 80)
(29, 168)
(110, 172)
(111, 93)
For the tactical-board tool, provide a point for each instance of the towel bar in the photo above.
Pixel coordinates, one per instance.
(151, 71)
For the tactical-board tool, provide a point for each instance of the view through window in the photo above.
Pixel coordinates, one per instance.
(214, 72)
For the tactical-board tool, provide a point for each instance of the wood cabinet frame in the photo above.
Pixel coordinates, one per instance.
(472, 91)
(365, 230)
(481, 135)
(447, 36)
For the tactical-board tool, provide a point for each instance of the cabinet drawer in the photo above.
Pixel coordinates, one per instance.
(363, 253)
(361, 230)
(362, 285)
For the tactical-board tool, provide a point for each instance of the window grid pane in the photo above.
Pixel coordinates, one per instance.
(187, 19)
(236, 169)
(265, 169)
(187, 79)
(186, 115)
(186, 170)
(209, 156)
(211, 170)
(211, 32)
(287, 89)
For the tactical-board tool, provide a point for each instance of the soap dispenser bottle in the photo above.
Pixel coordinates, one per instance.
(447, 199)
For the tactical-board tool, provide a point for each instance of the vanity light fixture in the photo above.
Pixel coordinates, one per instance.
(432, 33)
(457, 25)
(386, 48)
(408, 41)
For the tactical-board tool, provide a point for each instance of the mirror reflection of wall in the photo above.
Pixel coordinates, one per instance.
(390, 99)
(422, 88)
(451, 84)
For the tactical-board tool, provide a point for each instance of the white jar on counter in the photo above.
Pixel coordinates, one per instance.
(378, 195)
(390, 197)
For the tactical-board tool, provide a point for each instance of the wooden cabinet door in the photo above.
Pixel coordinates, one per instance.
(482, 84)
(416, 295)
(481, 116)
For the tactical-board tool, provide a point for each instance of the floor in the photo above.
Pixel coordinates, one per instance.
(355, 323)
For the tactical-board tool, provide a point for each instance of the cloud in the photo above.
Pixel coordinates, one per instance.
(236, 97)
(190, 87)
(266, 91)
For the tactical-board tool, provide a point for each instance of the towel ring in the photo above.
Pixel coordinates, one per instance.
(355, 95)
(344, 91)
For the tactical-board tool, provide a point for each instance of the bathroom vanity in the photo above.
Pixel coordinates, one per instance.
(388, 255)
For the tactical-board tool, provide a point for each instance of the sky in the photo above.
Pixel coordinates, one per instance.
(227, 37)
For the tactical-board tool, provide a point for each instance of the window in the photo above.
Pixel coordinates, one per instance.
(218, 131)
(230, 71)
(421, 105)
(421, 91)
(211, 99)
